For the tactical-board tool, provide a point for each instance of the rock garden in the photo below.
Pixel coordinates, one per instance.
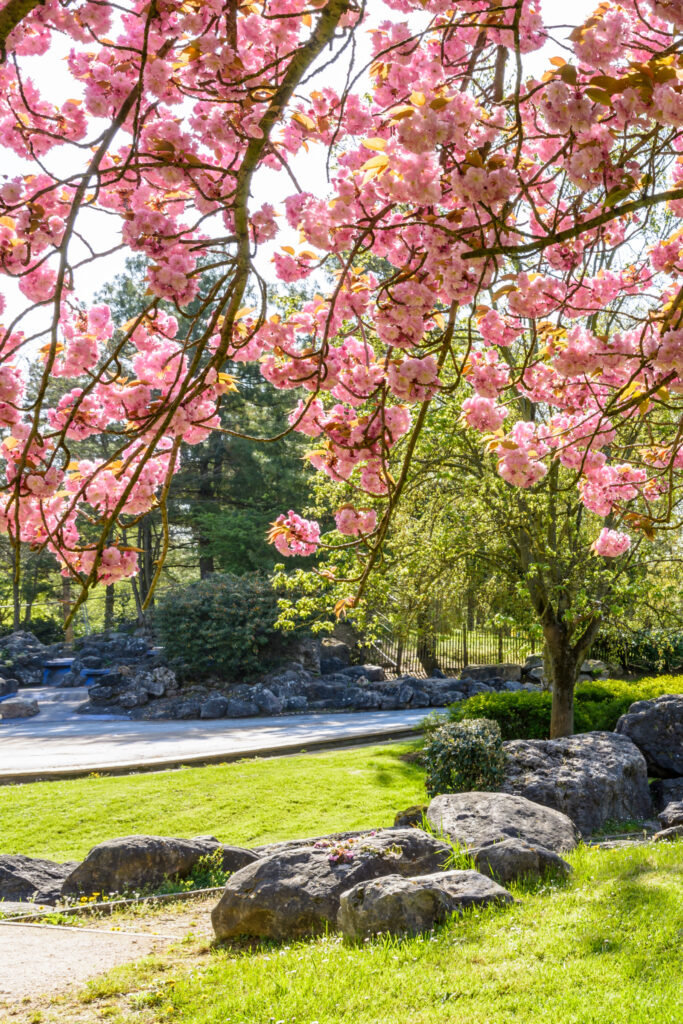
(133, 676)
(521, 806)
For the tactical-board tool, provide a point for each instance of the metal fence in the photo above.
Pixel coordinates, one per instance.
(417, 653)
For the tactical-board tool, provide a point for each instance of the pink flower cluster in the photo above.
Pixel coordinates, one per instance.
(611, 543)
(293, 535)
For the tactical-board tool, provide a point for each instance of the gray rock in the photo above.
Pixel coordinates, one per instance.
(411, 817)
(512, 686)
(656, 728)
(534, 661)
(480, 819)
(513, 859)
(214, 707)
(337, 649)
(234, 858)
(18, 707)
(593, 667)
(373, 673)
(31, 878)
(328, 666)
(266, 701)
(408, 906)
(664, 791)
(157, 682)
(287, 845)
(672, 814)
(675, 832)
(297, 893)
(99, 694)
(22, 656)
(8, 686)
(591, 777)
(481, 673)
(134, 698)
(295, 703)
(190, 708)
(134, 862)
(241, 708)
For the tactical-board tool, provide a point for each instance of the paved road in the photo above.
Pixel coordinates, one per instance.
(60, 743)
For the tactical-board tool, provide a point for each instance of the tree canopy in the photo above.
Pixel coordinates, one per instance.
(524, 227)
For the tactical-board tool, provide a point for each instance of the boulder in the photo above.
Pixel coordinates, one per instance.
(672, 814)
(214, 707)
(675, 832)
(334, 838)
(266, 701)
(480, 819)
(373, 673)
(18, 707)
(297, 893)
(31, 878)
(136, 862)
(240, 709)
(22, 656)
(513, 859)
(408, 906)
(411, 817)
(8, 687)
(664, 791)
(656, 728)
(157, 681)
(336, 649)
(482, 673)
(295, 703)
(591, 777)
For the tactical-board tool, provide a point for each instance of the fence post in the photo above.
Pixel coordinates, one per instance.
(500, 646)
(465, 656)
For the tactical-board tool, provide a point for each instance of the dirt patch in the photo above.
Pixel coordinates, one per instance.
(45, 967)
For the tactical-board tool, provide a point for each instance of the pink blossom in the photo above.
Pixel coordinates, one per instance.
(611, 543)
(293, 535)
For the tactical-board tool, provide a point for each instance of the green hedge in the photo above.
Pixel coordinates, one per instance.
(597, 706)
(222, 626)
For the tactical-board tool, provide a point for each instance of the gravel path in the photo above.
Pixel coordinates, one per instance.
(38, 959)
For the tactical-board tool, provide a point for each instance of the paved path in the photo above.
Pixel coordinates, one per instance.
(60, 743)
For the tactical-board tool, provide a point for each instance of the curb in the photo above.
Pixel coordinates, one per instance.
(197, 760)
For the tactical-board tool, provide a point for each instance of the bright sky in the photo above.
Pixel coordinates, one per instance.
(50, 74)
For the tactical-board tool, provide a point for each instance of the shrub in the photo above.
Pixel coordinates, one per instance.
(221, 626)
(646, 650)
(597, 706)
(464, 756)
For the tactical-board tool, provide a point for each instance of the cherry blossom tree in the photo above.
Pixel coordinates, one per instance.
(528, 223)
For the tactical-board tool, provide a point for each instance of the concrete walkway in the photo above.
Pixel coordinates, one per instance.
(59, 743)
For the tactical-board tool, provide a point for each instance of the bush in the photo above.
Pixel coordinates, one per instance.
(645, 650)
(48, 631)
(464, 756)
(597, 706)
(222, 626)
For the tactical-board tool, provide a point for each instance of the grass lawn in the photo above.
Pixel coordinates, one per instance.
(604, 948)
(243, 803)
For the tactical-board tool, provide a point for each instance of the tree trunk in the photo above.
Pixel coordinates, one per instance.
(109, 607)
(426, 643)
(206, 563)
(563, 671)
(66, 608)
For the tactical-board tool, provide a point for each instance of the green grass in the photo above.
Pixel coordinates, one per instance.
(604, 948)
(244, 803)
